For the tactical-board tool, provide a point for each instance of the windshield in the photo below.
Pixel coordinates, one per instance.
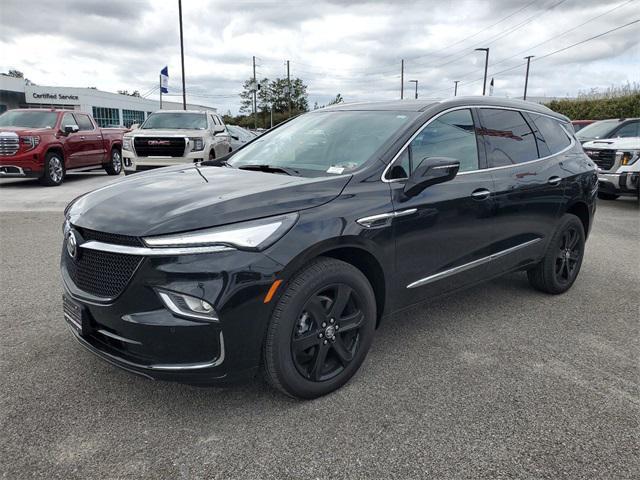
(324, 142)
(173, 121)
(32, 119)
(599, 129)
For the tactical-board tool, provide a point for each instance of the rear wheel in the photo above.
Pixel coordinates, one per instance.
(561, 264)
(321, 329)
(607, 196)
(114, 167)
(53, 174)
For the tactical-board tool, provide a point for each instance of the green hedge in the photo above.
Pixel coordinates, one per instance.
(599, 108)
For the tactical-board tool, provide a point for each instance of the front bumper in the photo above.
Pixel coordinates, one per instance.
(625, 183)
(22, 164)
(136, 332)
(133, 163)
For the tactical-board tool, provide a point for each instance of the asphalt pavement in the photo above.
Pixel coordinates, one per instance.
(499, 381)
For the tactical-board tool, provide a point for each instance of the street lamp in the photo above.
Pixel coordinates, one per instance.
(526, 77)
(416, 82)
(486, 65)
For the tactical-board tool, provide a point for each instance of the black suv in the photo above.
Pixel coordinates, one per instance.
(289, 253)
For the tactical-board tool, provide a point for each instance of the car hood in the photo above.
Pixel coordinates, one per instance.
(168, 133)
(26, 130)
(631, 143)
(177, 199)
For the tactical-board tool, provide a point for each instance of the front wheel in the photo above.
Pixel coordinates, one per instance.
(560, 266)
(53, 174)
(321, 329)
(114, 167)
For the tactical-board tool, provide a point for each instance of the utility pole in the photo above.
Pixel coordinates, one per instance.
(486, 65)
(416, 82)
(288, 94)
(402, 79)
(526, 77)
(455, 88)
(184, 91)
(255, 92)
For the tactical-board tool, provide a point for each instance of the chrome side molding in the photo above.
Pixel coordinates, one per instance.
(384, 219)
(461, 268)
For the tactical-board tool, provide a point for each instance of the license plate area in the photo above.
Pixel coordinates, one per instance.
(75, 315)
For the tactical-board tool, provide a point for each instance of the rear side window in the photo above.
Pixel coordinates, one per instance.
(507, 136)
(450, 135)
(83, 121)
(551, 136)
(631, 129)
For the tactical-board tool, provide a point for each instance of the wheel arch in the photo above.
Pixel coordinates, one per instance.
(580, 210)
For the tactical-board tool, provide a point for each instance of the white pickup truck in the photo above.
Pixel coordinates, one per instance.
(618, 166)
(171, 137)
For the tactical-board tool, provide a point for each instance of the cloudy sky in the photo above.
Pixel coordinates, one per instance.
(348, 47)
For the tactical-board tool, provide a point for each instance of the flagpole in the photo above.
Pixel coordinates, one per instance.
(160, 80)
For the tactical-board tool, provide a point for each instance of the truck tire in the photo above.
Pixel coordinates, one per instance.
(114, 166)
(562, 261)
(54, 172)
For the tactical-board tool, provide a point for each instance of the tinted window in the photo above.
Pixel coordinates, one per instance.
(507, 136)
(551, 134)
(628, 130)
(83, 121)
(450, 135)
(175, 120)
(68, 119)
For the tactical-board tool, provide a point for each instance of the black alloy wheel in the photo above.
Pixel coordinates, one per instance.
(321, 329)
(326, 336)
(562, 261)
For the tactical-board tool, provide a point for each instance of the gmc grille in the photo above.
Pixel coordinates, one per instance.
(605, 159)
(9, 143)
(103, 274)
(159, 146)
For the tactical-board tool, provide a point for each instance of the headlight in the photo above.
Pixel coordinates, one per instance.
(254, 235)
(30, 141)
(198, 144)
(629, 157)
(126, 143)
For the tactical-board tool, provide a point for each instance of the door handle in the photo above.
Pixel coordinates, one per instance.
(554, 181)
(480, 194)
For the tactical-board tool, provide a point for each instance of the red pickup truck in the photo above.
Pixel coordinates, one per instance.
(46, 143)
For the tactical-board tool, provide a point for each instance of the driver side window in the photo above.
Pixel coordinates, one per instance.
(450, 135)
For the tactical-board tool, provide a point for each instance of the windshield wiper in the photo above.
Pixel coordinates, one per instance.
(269, 169)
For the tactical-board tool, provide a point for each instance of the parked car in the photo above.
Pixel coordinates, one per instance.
(239, 136)
(172, 137)
(47, 143)
(618, 166)
(614, 128)
(289, 255)
(580, 124)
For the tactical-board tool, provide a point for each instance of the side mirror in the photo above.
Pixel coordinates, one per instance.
(218, 129)
(431, 171)
(71, 129)
(134, 126)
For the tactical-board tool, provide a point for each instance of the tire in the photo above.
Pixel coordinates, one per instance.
(54, 171)
(296, 340)
(562, 261)
(212, 155)
(607, 196)
(114, 167)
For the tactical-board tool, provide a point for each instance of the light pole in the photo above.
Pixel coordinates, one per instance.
(416, 82)
(184, 91)
(486, 65)
(455, 88)
(526, 76)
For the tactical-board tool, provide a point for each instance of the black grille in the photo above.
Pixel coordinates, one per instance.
(159, 146)
(110, 238)
(103, 274)
(603, 158)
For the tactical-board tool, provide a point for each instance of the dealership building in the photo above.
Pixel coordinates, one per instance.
(109, 109)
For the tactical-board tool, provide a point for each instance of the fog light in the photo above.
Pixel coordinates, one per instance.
(188, 306)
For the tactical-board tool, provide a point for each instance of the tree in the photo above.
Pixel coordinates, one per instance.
(336, 100)
(135, 93)
(15, 74)
(273, 94)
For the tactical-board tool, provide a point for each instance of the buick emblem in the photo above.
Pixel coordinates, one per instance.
(72, 245)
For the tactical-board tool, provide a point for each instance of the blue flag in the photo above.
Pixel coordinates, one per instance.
(164, 80)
